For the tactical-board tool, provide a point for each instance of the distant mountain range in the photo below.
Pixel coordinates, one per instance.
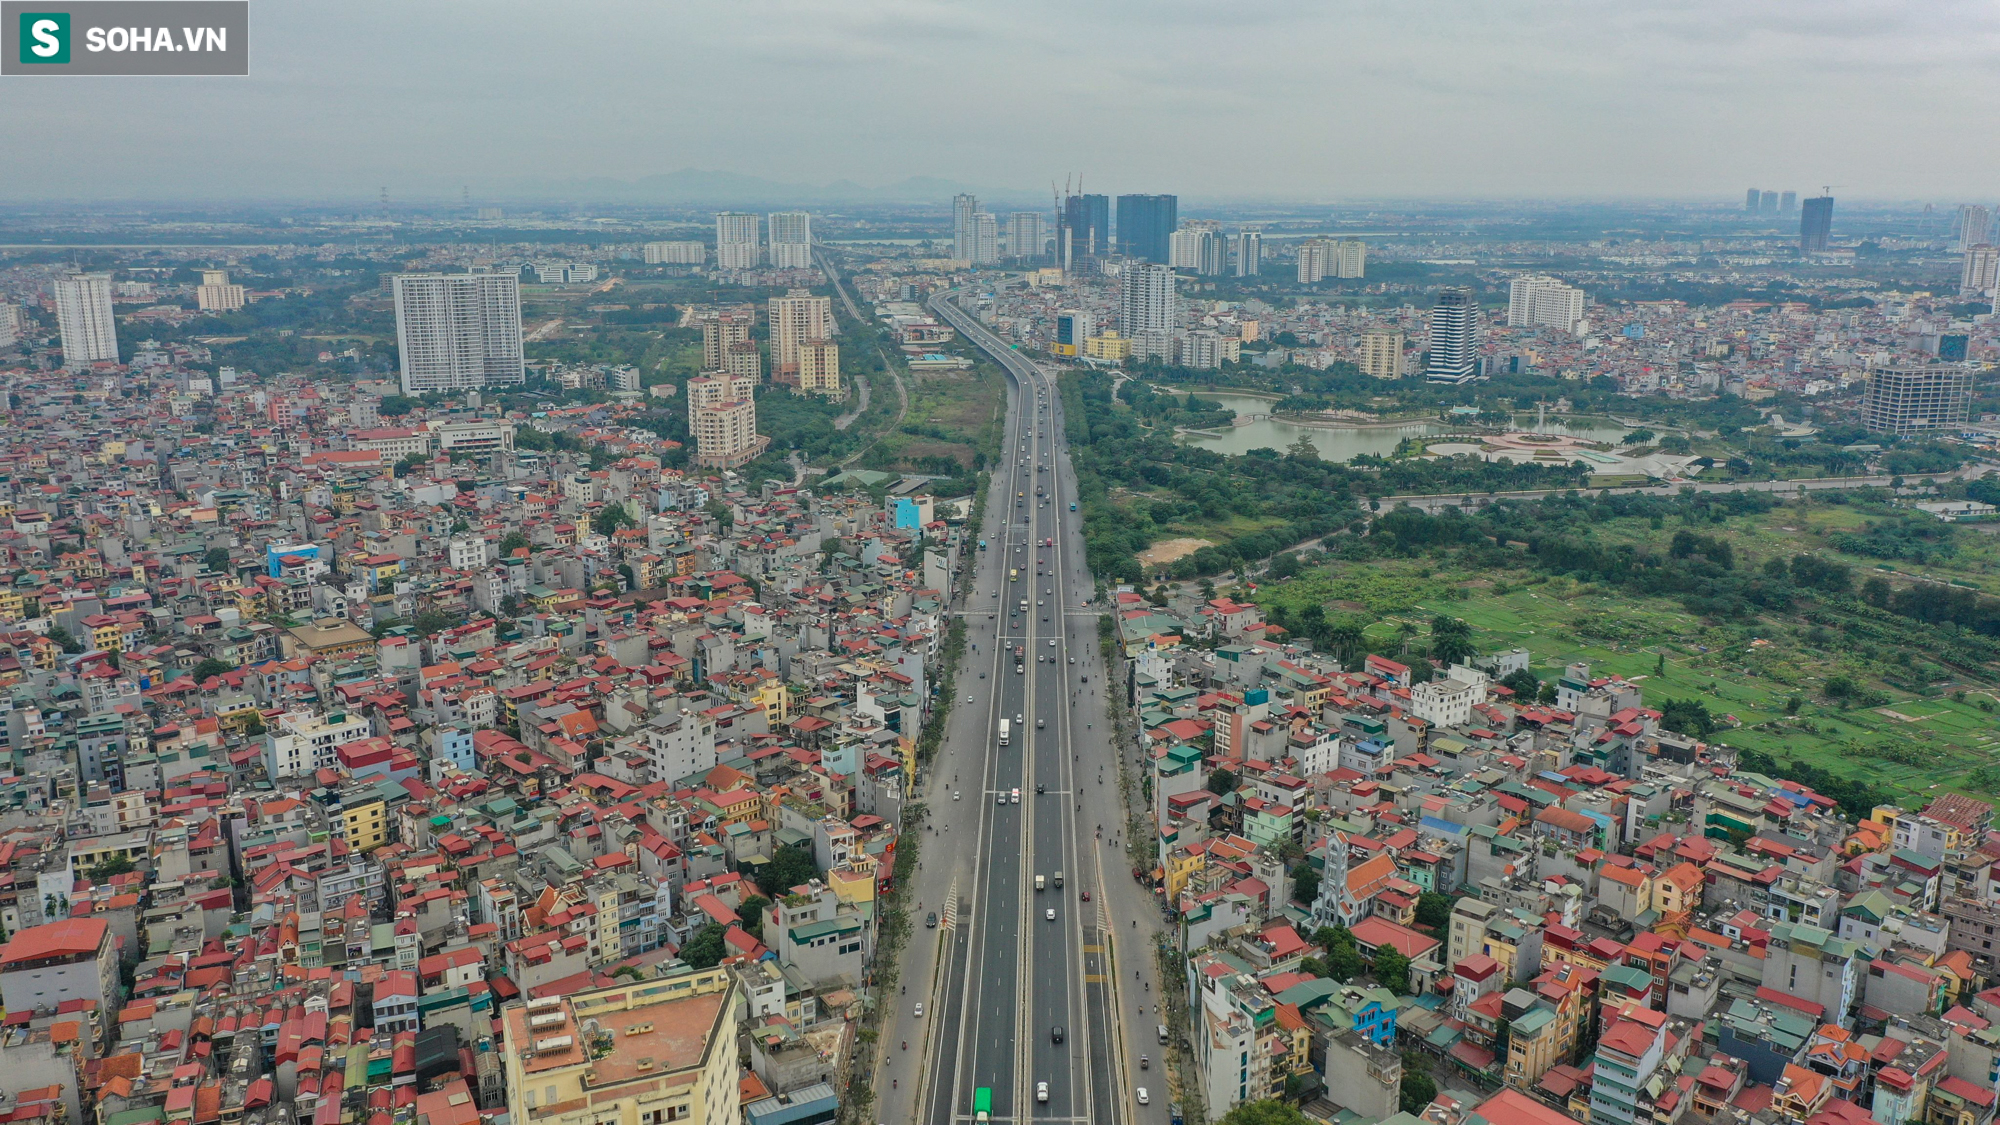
(695, 185)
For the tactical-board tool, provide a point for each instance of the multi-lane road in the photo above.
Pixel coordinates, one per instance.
(1041, 997)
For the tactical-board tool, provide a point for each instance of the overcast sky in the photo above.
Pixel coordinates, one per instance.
(1316, 100)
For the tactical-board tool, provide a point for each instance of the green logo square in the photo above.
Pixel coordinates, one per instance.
(44, 37)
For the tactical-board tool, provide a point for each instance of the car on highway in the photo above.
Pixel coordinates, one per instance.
(930, 920)
(1051, 915)
(1086, 896)
(1041, 1091)
(1144, 1098)
(1056, 1034)
(1052, 642)
(1040, 788)
(920, 1011)
(955, 794)
(999, 798)
(1015, 797)
(1038, 722)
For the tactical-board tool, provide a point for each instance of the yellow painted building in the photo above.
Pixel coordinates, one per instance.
(366, 824)
(1182, 865)
(1108, 346)
(654, 1053)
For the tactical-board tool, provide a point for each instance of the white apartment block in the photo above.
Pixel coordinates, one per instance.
(674, 253)
(458, 331)
(468, 552)
(1207, 349)
(1146, 300)
(1196, 248)
(565, 273)
(83, 316)
(215, 294)
(1536, 301)
(305, 742)
(985, 239)
(1980, 272)
(791, 240)
(10, 324)
(1027, 234)
(1447, 702)
(736, 243)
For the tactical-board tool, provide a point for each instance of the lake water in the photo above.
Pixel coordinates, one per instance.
(1344, 443)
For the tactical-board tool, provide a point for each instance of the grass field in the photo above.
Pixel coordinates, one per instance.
(1745, 671)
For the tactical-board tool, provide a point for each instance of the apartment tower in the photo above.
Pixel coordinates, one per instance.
(791, 240)
(1146, 301)
(83, 316)
(796, 318)
(1381, 355)
(458, 331)
(736, 244)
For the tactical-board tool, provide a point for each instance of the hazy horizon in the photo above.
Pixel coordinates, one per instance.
(1687, 102)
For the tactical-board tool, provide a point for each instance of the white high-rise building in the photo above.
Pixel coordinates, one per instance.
(985, 239)
(1349, 258)
(1538, 301)
(215, 294)
(1974, 223)
(83, 316)
(1980, 272)
(458, 330)
(1454, 338)
(1196, 248)
(963, 208)
(1146, 302)
(736, 244)
(1027, 234)
(791, 240)
(1313, 257)
(675, 253)
(10, 324)
(1249, 253)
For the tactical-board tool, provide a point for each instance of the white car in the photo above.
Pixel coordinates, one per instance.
(1016, 797)
(955, 795)
(1052, 914)
(1144, 1098)
(920, 1015)
(968, 698)
(1041, 1091)
(1052, 642)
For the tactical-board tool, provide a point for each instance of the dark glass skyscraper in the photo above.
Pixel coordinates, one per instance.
(1815, 224)
(1146, 226)
(1087, 224)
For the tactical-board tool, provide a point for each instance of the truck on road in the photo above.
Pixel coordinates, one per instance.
(1006, 726)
